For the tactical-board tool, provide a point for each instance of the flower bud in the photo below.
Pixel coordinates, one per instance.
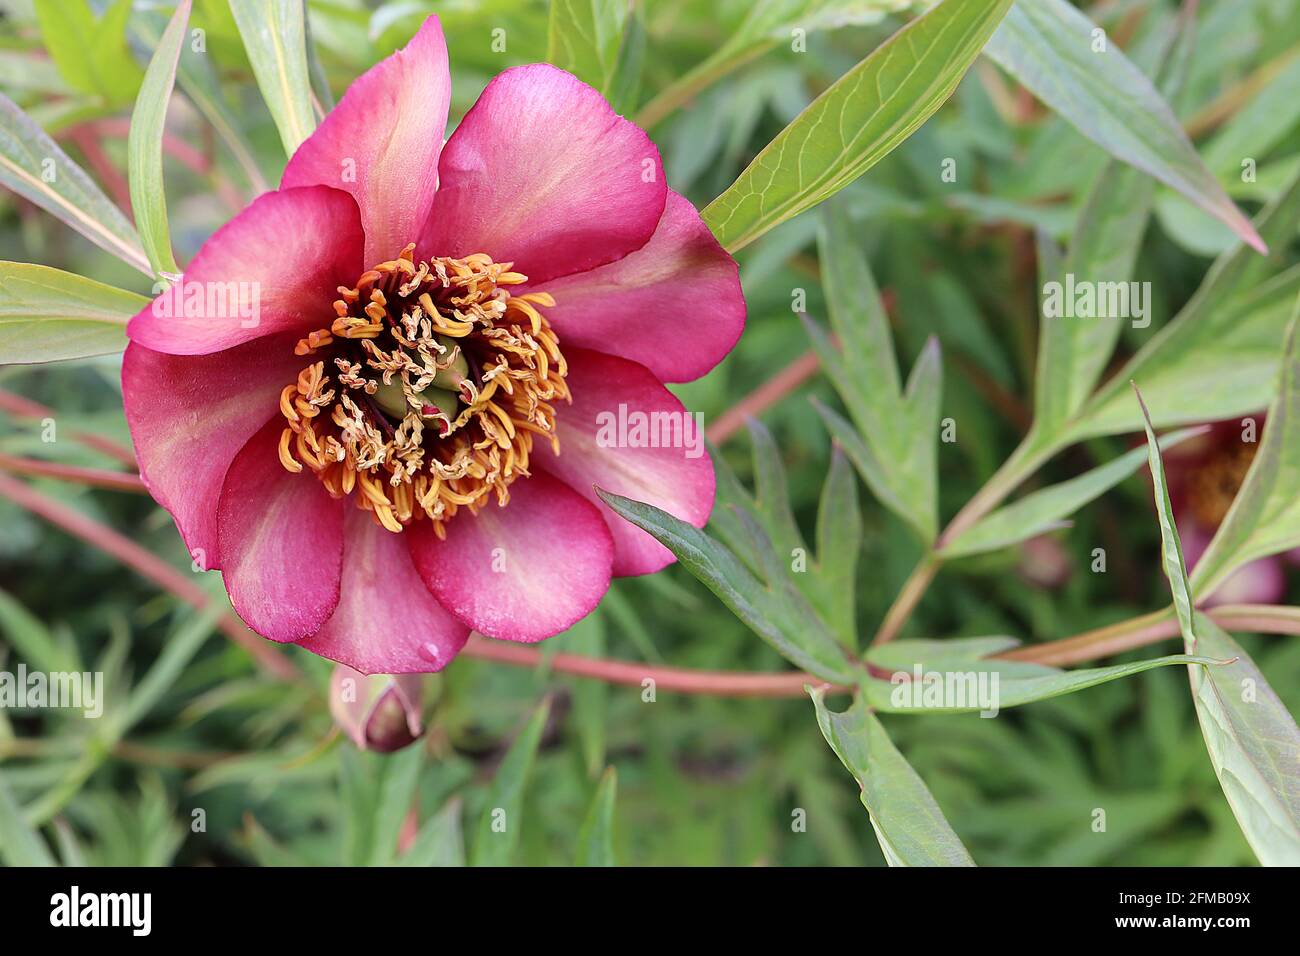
(378, 712)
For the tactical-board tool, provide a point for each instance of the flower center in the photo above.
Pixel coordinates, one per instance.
(432, 383)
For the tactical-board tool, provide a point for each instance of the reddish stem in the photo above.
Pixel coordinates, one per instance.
(675, 679)
(94, 477)
(26, 408)
(146, 564)
(762, 398)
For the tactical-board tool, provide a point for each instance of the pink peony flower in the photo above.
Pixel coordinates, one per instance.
(375, 400)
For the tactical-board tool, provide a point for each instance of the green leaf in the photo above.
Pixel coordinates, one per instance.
(908, 822)
(90, 52)
(47, 315)
(1251, 738)
(957, 677)
(144, 145)
(856, 122)
(1171, 549)
(894, 444)
(839, 542)
(768, 23)
(20, 843)
(589, 696)
(498, 830)
(198, 81)
(1049, 46)
(397, 793)
(1073, 352)
(1253, 742)
(596, 838)
(1265, 515)
(1225, 339)
(439, 842)
(776, 612)
(585, 36)
(275, 39)
(1045, 509)
(33, 166)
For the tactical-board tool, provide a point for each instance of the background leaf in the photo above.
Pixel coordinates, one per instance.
(908, 822)
(857, 121)
(505, 799)
(275, 38)
(596, 838)
(144, 145)
(1053, 49)
(33, 165)
(47, 315)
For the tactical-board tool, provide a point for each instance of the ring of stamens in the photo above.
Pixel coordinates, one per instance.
(432, 383)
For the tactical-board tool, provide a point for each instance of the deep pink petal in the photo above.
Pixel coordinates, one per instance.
(387, 622)
(273, 268)
(381, 143)
(190, 415)
(281, 540)
(523, 572)
(674, 305)
(594, 449)
(543, 173)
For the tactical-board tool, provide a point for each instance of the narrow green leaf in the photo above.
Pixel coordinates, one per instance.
(198, 81)
(768, 23)
(439, 842)
(27, 634)
(1073, 352)
(585, 36)
(772, 495)
(20, 843)
(839, 542)
(897, 434)
(1251, 738)
(857, 121)
(33, 166)
(144, 145)
(47, 315)
(1253, 742)
(1171, 549)
(596, 838)
(1055, 51)
(776, 612)
(956, 677)
(1225, 339)
(90, 51)
(498, 830)
(590, 697)
(908, 822)
(275, 39)
(1265, 515)
(399, 778)
(1045, 509)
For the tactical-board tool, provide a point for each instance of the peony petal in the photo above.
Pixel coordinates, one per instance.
(387, 622)
(594, 449)
(543, 173)
(190, 415)
(381, 143)
(273, 268)
(281, 541)
(552, 550)
(674, 305)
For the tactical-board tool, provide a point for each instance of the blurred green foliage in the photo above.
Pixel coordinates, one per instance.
(700, 780)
